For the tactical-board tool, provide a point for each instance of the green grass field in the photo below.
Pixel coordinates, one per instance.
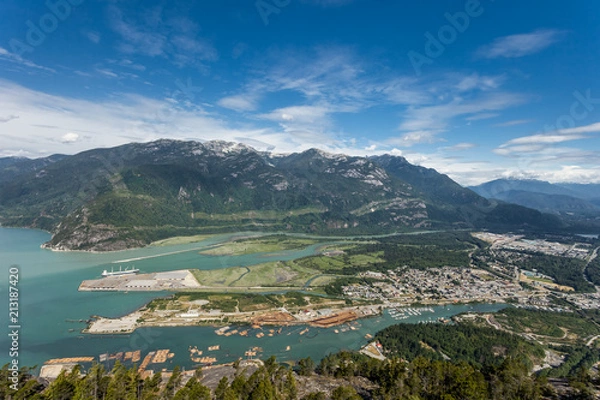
(317, 271)
(268, 244)
(279, 274)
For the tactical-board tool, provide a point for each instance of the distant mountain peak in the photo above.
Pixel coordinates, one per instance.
(314, 152)
(227, 147)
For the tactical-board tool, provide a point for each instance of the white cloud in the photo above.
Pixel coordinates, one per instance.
(16, 59)
(125, 62)
(543, 139)
(423, 124)
(460, 147)
(239, 102)
(514, 122)
(481, 116)
(107, 72)
(299, 114)
(581, 129)
(562, 174)
(478, 82)
(69, 137)
(572, 173)
(93, 37)
(84, 74)
(333, 79)
(136, 39)
(125, 118)
(336, 75)
(415, 137)
(544, 156)
(149, 33)
(520, 45)
(8, 118)
(306, 126)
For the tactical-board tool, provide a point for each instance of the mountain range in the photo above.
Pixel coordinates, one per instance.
(131, 195)
(567, 199)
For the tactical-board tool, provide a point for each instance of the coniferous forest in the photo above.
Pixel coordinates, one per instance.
(345, 375)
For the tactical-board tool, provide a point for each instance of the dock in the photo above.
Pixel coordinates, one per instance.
(171, 280)
(274, 318)
(334, 319)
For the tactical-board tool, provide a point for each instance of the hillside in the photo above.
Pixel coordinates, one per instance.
(131, 195)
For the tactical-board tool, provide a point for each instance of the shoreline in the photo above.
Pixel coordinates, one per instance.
(248, 234)
(128, 323)
(280, 317)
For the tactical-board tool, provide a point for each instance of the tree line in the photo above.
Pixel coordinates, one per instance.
(354, 375)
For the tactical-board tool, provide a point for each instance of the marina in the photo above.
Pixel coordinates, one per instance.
(402, 313)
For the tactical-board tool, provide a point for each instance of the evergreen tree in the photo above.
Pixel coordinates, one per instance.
(290, 390)
(345, 393)
(240, 386)
(151, 387)
(118, 387)
(306, 366)
(172, 384)
(511, 380)
(94, 385)
(29, 391)
(193, 390)
(63, 388)
(315, 396)
(221, 388)
(264, 390)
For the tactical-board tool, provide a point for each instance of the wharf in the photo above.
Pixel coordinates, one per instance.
(171, 280)
(334, 319)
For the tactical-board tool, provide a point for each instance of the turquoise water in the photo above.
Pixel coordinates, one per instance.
(51, 307)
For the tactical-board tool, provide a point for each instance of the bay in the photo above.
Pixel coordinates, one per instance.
(51, 308)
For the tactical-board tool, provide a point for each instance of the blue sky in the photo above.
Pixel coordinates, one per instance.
(475, 89)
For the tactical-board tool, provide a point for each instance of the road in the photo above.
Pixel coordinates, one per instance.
(589, 260)
(589, 342)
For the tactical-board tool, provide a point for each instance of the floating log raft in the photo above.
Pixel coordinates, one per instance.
(70, 360)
